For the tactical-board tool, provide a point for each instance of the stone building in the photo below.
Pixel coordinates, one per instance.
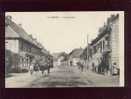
(18, 41)
(102, 53)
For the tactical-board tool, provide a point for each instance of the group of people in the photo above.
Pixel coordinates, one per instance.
(37, 67)
(41, 65)
(80, 66)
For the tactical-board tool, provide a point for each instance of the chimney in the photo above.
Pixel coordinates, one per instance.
(117, 15)
(9, 17)
(31, 36)
(20, 24)
(8, 20)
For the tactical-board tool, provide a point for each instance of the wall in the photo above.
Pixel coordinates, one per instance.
(101, 47)
(12, 45)
(115, 43)
(29, 53)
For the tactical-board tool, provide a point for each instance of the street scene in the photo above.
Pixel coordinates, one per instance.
(64, 49)
(61, 77)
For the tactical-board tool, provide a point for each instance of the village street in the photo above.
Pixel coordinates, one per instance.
(61, 76)
(96, 50)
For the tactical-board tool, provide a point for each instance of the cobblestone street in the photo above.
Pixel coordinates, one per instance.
(64, 76)
(61, 76)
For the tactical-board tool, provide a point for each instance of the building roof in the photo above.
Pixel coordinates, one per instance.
(16, 31)
(106, 28)
(76, 53)
(10, 33)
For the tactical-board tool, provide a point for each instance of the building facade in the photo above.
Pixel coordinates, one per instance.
(19, 42)
(75, 56)
(103, 52)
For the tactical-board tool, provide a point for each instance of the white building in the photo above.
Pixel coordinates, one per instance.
(103, 51)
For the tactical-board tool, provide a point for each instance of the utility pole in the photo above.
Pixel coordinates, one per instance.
(87, 51)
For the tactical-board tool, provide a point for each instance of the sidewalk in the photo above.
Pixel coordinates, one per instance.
(22, 80)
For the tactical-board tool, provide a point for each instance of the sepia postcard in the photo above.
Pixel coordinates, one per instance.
(64, 49)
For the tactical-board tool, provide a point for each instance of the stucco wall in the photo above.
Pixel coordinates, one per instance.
(12, 45)
(115, 43)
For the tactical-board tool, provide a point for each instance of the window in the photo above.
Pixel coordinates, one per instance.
(95, 49)
(114, 63)
(6, 43)
(103, 45)
(21, 46)
(100, 46)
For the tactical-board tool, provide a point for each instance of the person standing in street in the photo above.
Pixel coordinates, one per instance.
(31, 68)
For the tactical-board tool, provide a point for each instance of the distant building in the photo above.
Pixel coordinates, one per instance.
(74, 56)
(102, 53)
(18, 41)
(62, 58)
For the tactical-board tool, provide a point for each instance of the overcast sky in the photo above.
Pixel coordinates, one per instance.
(61, 31)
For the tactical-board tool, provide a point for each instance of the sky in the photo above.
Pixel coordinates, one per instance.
(62, 31)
